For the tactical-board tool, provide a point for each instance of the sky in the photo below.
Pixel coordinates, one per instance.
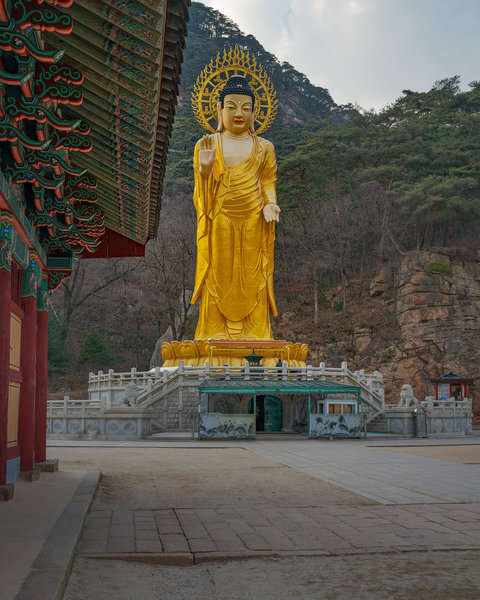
(366, 51)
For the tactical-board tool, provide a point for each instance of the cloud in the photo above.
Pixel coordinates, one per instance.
(357, 7)
(366, 50)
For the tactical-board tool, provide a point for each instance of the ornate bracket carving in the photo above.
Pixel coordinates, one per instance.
(31, 277)
(55, 278)
(15, 41)
(6, 241)
(42, 291)
(30, 13)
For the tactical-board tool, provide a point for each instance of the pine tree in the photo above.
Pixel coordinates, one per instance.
(58, 359)
(95, 352)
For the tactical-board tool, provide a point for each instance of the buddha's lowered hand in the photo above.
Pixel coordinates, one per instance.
(271, 212)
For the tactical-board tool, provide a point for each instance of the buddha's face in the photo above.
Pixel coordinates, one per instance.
(237, 113)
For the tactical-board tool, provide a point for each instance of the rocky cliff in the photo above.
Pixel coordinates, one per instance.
(438, 312)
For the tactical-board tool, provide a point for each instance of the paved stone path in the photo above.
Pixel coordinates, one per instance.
(424, 504)
(200, 532)
(376, 473)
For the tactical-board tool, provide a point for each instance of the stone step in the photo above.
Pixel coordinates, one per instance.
(378, 424)
(281, 435)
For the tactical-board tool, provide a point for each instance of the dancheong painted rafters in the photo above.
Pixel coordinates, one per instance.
(129, 53)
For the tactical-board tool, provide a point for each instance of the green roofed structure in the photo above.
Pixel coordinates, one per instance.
(259, 386)
(330, 409)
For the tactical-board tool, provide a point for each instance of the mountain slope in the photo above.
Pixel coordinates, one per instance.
(301, 105)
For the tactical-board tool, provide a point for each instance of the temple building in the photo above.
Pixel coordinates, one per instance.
(87, 98)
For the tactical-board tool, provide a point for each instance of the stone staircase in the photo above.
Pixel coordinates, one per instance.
(378, 424)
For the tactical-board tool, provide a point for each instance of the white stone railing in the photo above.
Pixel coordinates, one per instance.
(430, 404)
(342, 374)
(67, 406)
(449, 403)
(371, 384)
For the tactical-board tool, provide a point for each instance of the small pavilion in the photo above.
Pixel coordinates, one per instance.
(243, 407)
(451, 385)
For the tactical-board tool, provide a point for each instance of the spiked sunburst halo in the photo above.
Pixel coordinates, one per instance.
(214, 76)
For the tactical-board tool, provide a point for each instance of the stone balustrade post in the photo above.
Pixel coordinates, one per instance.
(322, 371)
(344, 372)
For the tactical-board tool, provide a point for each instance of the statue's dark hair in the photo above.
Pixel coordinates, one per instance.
(236, 85)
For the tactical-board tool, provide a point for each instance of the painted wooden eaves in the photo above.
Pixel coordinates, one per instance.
(130, 52)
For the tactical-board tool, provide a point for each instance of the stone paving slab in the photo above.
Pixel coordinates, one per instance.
(244, 531)
(375, 473)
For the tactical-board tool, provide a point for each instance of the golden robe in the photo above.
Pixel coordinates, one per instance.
(234, 275)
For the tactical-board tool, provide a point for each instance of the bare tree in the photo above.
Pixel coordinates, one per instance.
(87, 280)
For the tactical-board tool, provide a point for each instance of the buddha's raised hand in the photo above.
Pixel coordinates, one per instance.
(206, 155)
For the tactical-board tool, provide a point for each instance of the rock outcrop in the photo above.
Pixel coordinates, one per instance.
(438, 311)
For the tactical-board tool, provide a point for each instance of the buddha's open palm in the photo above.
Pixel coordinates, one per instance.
(271, 212)
(206, 154)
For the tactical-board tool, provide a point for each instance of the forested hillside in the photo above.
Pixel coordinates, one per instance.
(379, 185)
(301, 105)
(375, 207)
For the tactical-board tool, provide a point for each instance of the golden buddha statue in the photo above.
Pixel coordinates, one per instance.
(236, 203)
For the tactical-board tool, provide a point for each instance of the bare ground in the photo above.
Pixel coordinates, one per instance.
(415, 576)
(137, 478)
(153, 478)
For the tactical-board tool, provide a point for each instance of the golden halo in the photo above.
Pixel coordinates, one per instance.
(214, 76)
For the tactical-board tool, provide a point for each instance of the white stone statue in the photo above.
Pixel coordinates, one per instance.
(407, 397)
(129, 396)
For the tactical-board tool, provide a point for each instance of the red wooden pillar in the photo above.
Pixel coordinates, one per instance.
(5, 297)
(26, 418)
(4, 17)
(6, 240)
(42, 374)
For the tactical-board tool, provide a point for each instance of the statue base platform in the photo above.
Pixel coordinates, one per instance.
(232, 352)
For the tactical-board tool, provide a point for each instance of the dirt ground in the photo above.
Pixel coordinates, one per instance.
(467, 454)
(153, 478)
(406, 576)
(149, 478)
